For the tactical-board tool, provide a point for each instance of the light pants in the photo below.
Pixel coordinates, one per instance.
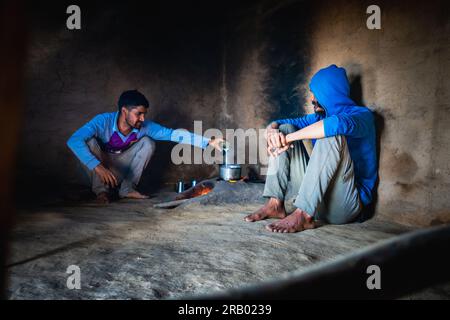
(325, 184)
(127, 166)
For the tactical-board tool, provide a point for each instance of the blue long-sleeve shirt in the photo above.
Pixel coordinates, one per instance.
(104, 127)
(342, 117)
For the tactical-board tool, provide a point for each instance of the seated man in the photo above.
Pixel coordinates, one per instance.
(116, 147)
(338, 180)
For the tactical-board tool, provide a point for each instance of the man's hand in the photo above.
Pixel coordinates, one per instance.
(273, 127)
(277, 144)
(279, 151)
(273, 136)
(106, 176)
(270, 134)
(276, 140)
(217, 143)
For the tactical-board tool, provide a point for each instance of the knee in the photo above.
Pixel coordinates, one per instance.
(287, 128)
(93, 145)
(147, 144)
(337, 141)
(91, 142)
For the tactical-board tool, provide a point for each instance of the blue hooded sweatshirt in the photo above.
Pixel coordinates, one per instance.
(343, 117)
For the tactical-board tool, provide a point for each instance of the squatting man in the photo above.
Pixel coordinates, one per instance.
(116, 147)
(338, 179)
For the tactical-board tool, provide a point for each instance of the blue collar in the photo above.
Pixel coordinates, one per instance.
(116, 129)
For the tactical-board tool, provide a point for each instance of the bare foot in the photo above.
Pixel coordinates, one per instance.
(297, 221)
(274, 208)
(103, 198)
(136, 195)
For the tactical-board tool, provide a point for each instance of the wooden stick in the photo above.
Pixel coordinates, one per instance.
(169, 204)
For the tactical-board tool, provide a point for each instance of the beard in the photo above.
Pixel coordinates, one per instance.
(136, 125)
(316, 110)
(317, 105)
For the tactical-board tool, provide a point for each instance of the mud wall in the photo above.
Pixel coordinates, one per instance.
(401, 72)
(168, 50)
(229, 64)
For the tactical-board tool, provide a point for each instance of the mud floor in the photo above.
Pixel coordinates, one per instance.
(130, 250)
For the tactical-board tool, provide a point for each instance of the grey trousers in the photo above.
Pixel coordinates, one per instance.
(127, 166)
(325, 183)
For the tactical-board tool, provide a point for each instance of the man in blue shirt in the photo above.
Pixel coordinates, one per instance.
(116, 147)
(339, 178)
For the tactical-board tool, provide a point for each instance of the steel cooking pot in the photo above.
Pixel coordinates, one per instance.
(230, 172)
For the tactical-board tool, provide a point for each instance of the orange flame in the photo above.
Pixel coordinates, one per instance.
(202, 191)
(197, 191)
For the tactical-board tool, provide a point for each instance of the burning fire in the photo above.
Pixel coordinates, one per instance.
(199, 190)
(204, 190)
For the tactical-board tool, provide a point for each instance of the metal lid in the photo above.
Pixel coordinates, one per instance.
(232, 166)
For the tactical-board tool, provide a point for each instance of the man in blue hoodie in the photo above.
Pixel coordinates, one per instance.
(338, 179)
(115, 147)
